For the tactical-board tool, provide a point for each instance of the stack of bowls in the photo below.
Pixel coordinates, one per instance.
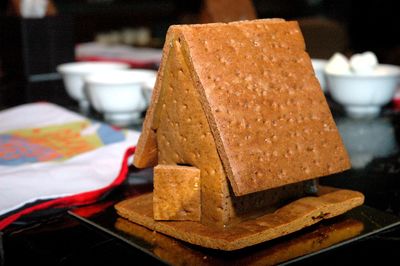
(120, 94)
(74, 74)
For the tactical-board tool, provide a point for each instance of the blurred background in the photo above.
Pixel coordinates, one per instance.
(31, 48)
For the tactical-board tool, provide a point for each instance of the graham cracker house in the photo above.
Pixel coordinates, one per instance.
(238, 131)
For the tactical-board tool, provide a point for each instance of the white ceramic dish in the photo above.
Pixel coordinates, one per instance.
(118, 95)
(74, 73)
(364, 94)
(319, 69)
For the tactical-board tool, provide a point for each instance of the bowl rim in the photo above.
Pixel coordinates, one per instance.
(394, 72)
(85, 67)
(319, 61)
(121, 77)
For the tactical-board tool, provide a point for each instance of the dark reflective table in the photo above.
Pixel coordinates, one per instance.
(90, 235)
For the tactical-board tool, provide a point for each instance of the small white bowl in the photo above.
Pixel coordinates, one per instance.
(319, 69)
(118, 95)
(363, 95)
(74, 73)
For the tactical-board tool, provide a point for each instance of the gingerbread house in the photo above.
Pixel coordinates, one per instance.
(238, 131)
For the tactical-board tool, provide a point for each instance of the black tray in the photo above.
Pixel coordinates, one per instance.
(358, 223)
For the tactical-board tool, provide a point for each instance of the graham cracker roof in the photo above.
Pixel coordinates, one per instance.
(269, 117)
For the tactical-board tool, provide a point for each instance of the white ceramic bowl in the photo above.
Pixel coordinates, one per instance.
(118, 95)
(364, 94)
(74, 73)
(319, 69)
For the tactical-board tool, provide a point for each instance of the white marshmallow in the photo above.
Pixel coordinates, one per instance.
(338, 64)
(364, 63)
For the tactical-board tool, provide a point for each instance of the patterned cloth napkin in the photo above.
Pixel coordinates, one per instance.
(56, 157)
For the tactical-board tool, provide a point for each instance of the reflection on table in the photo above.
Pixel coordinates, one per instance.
(367, 139)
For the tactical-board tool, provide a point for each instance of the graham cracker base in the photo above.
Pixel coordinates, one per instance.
(176, 252)
(287, 219)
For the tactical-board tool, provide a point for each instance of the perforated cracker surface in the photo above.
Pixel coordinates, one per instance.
(290, 218)
(176, 194)
(146, 149)
(184, 137)
(268, 115)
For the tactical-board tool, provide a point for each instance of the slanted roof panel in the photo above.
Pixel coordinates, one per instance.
(268, 115)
